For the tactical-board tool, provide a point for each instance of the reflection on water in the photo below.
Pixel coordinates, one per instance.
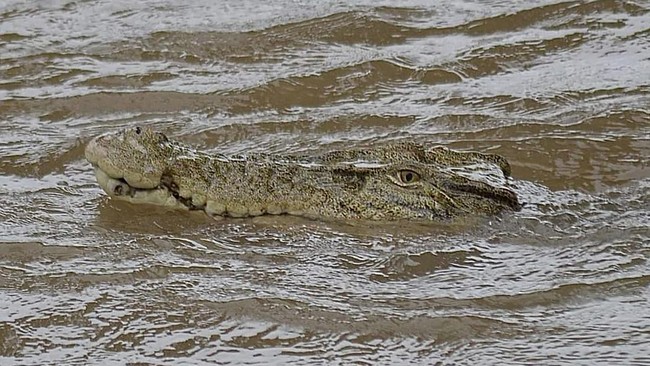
(559, 88)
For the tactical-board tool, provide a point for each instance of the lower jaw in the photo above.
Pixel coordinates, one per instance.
(119, 189)
(164, 196)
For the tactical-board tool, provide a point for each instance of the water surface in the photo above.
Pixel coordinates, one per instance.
(561, 89)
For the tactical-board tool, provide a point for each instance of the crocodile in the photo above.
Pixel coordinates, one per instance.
(395, 181)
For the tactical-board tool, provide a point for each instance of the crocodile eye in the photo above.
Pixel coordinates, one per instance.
(408, 176)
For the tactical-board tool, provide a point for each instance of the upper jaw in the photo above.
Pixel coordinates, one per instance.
(91, 152)
(100, 158)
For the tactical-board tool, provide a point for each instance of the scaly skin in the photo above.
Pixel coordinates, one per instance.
(391, 182)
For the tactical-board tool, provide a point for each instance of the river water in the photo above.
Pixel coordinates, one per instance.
(562, 89)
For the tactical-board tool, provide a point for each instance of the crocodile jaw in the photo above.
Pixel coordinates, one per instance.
(162, 196)
(107, 151)
(142, 185)
(121, 189)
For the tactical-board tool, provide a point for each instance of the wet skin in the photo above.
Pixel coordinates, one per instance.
(403, 181)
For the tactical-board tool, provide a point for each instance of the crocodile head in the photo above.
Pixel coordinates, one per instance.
(395, 181)
(129, 164)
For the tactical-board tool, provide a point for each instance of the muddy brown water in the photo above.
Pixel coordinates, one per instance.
(562, 89)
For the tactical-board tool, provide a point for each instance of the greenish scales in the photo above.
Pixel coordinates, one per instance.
(389, 182)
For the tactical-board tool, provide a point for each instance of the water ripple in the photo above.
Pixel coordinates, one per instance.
(555, 87)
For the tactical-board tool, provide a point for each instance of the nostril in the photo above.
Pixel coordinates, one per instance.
(138, 130)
